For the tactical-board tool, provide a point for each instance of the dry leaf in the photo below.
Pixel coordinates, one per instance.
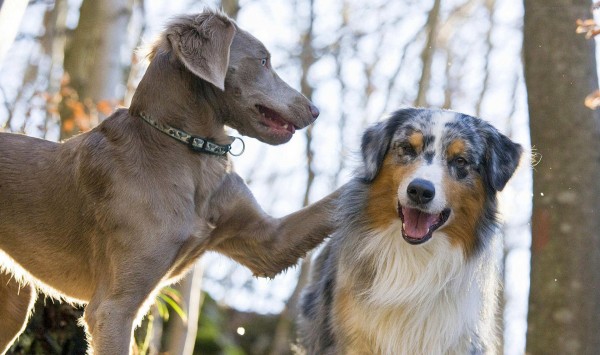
(105, 107)
(592, 101)
(589, 27)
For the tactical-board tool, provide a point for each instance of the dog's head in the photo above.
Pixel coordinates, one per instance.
(437, 171)
(250, 95)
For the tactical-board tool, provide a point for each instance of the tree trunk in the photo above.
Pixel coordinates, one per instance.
(92, 62)
(560, 70)
(53, 43)
(231, 7)
(428, 52)
(180, 336)
(92, 58)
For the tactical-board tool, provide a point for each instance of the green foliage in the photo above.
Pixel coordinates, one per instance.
(224, 330)
(167, 299)
(213, 337)
(171, 297)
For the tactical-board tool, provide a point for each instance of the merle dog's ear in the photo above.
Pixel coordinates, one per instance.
(203, 44)
(377, 138)
(375, 143)
(501, 158)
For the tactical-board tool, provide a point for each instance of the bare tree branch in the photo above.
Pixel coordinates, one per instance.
(427, 54)
(489, 5)
(449, 89)
(53, 42)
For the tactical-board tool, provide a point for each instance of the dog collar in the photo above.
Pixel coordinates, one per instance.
(197, 144)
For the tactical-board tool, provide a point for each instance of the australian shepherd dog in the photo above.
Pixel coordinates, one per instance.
(411, 268)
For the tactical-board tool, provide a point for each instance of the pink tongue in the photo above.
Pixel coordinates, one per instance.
(417, 223)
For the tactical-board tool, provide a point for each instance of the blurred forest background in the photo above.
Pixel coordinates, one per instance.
(527, 67)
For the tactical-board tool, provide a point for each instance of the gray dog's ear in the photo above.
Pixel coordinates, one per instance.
(203, 46)
(375, 143)
(501, 158)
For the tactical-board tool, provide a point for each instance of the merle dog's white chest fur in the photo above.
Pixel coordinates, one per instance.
(422, 299)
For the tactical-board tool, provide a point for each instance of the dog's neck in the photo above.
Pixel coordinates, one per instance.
(173, 96)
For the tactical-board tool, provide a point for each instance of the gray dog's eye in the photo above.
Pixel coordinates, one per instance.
(263, 62)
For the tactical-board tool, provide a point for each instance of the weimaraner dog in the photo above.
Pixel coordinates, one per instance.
(109, 217)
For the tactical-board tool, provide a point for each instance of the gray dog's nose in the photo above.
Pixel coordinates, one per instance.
(314, 111)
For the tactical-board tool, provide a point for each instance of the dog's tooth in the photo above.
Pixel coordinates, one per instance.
(285, 126)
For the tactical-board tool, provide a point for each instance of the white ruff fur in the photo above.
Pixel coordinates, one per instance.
(425, 299)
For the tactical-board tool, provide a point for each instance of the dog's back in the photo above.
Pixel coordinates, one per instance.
(29, 185)
(410, 269)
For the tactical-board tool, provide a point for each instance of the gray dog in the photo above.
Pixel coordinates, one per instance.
(112, 215)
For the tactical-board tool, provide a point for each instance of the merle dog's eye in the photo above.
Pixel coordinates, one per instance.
(460, 162)
(264, 62)
(406, 149)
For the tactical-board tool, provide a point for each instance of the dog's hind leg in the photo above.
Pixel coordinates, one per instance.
(16, 301)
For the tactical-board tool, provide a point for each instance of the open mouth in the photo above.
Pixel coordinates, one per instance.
(418, 226)
(273, 120)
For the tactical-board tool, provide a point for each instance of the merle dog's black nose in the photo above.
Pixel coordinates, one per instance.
(314, 111)
(421, 191)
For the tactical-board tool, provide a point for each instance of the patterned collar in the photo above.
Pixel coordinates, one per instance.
(197, 144)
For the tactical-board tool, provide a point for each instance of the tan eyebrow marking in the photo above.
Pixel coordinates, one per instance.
(455, 148)
(416, 141)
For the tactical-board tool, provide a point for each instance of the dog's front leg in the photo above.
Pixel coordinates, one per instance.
(126, 289)
(266, 245)
(110, 317)
(109, 324)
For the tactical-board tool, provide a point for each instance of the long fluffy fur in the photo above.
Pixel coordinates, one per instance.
(373, 293)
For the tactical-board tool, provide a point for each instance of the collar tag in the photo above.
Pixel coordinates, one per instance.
(242, 149)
